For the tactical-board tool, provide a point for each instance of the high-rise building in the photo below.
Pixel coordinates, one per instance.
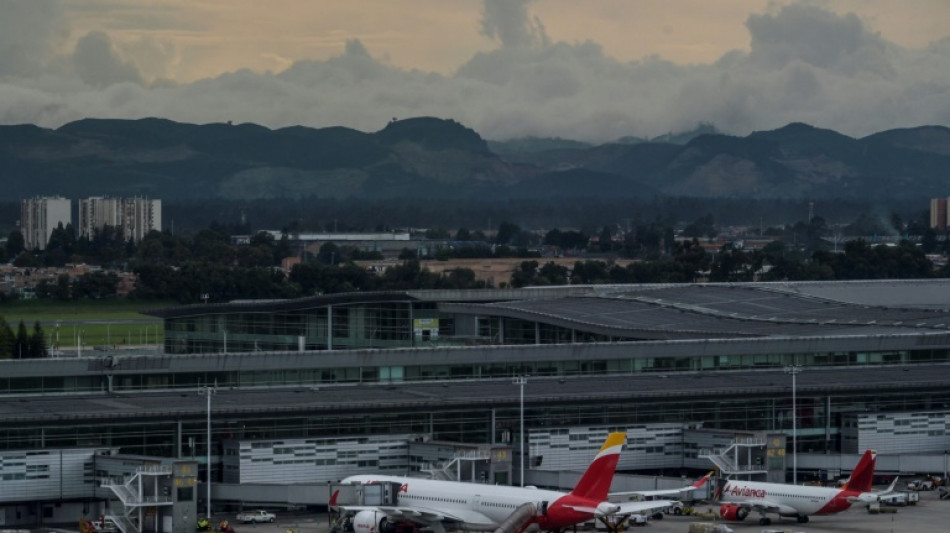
(140, 216)
(940, 213)
(133, 218)
(97, 212)
(39, 216)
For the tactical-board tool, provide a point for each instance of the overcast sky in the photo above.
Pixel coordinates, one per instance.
(592, 70)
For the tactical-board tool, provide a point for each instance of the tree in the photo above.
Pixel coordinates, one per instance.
(15, 244)
(463, 235)
(507, 233)
(7, 340)
(438, 234)
(21, 347)
(37, 342)
(703, 226)
(329, 254)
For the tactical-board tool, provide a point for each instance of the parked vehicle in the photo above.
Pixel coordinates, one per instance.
(921, 484)
(896, 499)
(257, 516)
(709, 527)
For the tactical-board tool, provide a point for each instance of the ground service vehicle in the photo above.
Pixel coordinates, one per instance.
(256, 516)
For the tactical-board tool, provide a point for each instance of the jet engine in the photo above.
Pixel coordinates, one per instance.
(730, 511)
(606, 509)
(373, 522)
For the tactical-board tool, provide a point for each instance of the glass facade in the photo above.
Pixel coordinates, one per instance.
(159, 437)
(460, 366)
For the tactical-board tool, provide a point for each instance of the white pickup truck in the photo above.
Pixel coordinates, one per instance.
(257, 516)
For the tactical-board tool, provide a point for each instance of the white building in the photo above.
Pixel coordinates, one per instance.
(39, 216)
(97, 212)
(132, 217)
(139, 217)
(896, 433)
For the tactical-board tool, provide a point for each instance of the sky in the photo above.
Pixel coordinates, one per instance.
(590, 70)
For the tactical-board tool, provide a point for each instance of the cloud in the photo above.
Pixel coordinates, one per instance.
(30, 36)
(509, 22)
(98, 63)
(805, 64)
(807, 33)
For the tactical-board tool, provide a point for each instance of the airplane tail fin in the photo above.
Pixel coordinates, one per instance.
(595, 483)
(702, 481)
(863, 474)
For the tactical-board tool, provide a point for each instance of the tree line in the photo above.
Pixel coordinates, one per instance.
(21, 344)
(209, 267)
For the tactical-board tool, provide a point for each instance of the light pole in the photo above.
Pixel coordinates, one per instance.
(520, 381)
(208, 392)
(794, 370)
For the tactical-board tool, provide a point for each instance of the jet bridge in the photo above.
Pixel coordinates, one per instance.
(366, 494)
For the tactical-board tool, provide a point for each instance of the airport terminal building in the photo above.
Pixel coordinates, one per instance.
(398, 381)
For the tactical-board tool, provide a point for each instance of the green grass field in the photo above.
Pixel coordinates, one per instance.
(96, 323)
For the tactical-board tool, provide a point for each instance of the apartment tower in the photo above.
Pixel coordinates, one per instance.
(39, 216)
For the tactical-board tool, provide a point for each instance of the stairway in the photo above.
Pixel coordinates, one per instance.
(135, 494)
(451, 470)
(727, 460)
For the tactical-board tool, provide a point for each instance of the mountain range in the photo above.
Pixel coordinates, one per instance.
(436, 158)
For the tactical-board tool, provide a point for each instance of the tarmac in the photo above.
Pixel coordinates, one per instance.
(929, 515)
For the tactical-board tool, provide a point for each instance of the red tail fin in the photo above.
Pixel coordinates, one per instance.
(863, 474)
(702, 481)
(595, 483)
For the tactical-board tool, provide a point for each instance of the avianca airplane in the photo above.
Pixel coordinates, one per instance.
(479, 507)
(739, 498)
(643, 494)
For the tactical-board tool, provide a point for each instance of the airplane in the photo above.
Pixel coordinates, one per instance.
(439, 505)
(644, 494)
(639, 495)
(739, 498)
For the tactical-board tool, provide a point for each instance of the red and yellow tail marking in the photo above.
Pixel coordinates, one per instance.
(595, 483)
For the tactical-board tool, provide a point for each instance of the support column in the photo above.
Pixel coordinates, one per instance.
(330, 327)
(827, 424)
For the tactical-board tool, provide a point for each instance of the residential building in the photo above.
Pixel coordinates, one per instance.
(39, 216)
(97, 212)
(133, 218)
(940, 213)
(139, 217)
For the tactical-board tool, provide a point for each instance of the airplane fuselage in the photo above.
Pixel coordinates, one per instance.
(495, 502)
(790, 499)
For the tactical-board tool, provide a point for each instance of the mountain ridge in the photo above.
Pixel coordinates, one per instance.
(428, 157)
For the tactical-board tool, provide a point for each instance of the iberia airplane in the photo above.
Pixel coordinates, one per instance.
(438, 505)
(739, 498)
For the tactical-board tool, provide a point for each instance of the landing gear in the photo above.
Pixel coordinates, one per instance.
(764, 521)
(802, 518)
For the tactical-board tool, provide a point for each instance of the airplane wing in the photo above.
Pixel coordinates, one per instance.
(640, 494)
(628, 508)
(422, 515)
(871, 497)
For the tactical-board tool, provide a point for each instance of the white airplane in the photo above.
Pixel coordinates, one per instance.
(739, 498)
(438, 505)
(647, 494)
